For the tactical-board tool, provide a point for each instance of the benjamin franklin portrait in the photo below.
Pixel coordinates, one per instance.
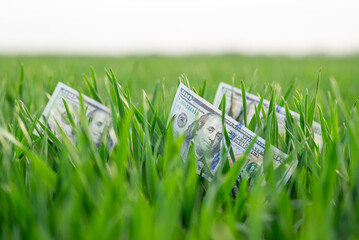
(206, 135)
(97, 121)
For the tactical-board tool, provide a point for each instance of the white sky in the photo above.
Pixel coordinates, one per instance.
(177, 27)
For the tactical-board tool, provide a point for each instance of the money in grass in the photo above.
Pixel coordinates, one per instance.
(200, 123)
(234, 105)
(55, 115)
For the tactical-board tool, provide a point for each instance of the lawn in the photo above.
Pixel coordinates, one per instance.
(142, 189)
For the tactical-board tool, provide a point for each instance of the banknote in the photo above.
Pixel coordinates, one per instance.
(200, 123)
(55, 116)
(234, 104)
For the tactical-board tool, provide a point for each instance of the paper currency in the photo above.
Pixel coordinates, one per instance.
(201, 123)
(98, 115)
(234, 101)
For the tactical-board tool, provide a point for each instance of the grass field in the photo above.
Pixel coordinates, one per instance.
(143, 189)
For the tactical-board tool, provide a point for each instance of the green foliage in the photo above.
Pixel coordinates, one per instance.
(142, 189)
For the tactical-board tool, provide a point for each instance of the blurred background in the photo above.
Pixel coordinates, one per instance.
(179, 27)
(148, 41)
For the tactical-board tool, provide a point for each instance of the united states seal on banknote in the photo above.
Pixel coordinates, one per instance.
(99, 116)
(201, 124)
(234, 104)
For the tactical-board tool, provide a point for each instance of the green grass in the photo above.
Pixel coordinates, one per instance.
(143, 189)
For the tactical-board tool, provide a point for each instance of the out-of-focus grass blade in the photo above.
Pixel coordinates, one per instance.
(253, 123)
(153, 121)
(289, 123)
(111, 76)
(288, 92)
(191, 186)
(311, 110)
(354, 151)
(21, 81)
(225, 133)
(256, 121)
(24, 131)
(202, 89)
(252, 80)
(230, 112)
(158, 120)
(92, 89)
(93, 76)
(115, 122)
(40, 167)
(272, 118)
(244, 103)
(26, 112)
(172, 148)
(69, 114)
(150, 162)
(334, 123)
(49, 133)
(272, 106)
(324, 127)
(154, 94)
(183, 79)
(267, 158)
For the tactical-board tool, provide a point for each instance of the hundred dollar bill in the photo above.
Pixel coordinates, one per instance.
(99, 116)
(234, 104)
(201, 124)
